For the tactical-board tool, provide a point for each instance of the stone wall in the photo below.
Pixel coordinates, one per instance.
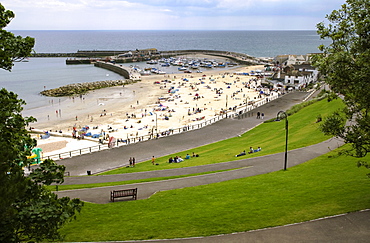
(82, 88)
(114, 68)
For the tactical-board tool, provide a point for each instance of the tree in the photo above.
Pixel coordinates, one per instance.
(345, 63)
(28, 210)
(12, 48)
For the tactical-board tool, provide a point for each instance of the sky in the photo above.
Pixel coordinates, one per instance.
(169, 14)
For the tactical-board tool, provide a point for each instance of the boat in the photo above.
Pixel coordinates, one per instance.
(157, 71)
(145, 73)
(182, 69)
(152, 62)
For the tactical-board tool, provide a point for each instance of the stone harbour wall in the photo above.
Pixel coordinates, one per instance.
(114, 68)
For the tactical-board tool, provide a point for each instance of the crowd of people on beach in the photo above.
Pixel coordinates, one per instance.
(169, 110)
(185, 103)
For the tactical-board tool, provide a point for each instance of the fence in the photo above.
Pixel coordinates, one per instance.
(239, 113)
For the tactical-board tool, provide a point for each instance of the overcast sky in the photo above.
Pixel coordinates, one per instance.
(169, 14)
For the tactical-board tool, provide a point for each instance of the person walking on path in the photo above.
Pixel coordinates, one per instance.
(153, 160)
(130, 161)
(262, 115)
(258, 115)
(133, 161)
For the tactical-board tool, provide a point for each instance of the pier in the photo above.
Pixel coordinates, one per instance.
(127, 56)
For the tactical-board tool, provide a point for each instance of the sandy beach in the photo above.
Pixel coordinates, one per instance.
(159, 102)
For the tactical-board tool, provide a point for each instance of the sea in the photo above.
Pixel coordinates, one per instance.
(28, 78)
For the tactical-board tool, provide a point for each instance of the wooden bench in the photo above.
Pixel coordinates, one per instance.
(123, 193)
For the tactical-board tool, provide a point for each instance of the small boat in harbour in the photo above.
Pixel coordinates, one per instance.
(144, 73)
(152, 62)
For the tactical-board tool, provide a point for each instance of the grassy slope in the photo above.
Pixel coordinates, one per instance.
(325, 186)
(270, 136)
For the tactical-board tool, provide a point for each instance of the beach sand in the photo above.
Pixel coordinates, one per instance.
(138, 109)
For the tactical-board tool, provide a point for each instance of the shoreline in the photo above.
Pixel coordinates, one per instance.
(135, 110)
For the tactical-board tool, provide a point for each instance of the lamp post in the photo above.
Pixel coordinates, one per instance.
(226, 109)
(156, 123)
(246, 104)
(285, 115)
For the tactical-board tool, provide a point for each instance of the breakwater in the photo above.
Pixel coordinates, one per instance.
(82, 88)
(142, 55)
(91, 56)
(114, 68)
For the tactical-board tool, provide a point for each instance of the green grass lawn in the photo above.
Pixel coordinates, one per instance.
(327, 185)
(303, 131)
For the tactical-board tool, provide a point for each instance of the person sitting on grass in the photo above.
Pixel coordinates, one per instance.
(241, 154)
(187, 156)
(257, 150)
(250, 150)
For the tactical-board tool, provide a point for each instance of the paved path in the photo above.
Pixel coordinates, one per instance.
(346, 228)
(242, 168)
(353, 227)
(226, 128)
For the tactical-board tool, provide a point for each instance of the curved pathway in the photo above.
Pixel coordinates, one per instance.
(226, 128)
(242, 168)
(345, 228)
(353, 227)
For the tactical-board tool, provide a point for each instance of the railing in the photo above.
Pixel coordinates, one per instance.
(241, 112)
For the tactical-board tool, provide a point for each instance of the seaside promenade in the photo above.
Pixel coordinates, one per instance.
(352, 227)
(142, 151)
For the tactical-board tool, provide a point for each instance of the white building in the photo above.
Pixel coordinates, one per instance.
(301, 76)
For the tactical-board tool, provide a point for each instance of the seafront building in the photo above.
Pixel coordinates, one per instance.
(294, 71)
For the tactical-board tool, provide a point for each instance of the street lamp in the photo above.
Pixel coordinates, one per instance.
(226, 106)
(246, 104)
(156, 126)
(283, 114)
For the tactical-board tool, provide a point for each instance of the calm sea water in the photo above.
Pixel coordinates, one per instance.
(255, 43)
(29, 78)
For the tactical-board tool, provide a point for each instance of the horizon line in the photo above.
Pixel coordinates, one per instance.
(146, 30)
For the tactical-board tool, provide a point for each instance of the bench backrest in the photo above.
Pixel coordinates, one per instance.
(124, 193)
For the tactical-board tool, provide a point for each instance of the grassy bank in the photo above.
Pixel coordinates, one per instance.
(327, 185)
(303, 131)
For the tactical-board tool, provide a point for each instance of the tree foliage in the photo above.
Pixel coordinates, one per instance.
(12, 48)
(345, 63)
(28, 211)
